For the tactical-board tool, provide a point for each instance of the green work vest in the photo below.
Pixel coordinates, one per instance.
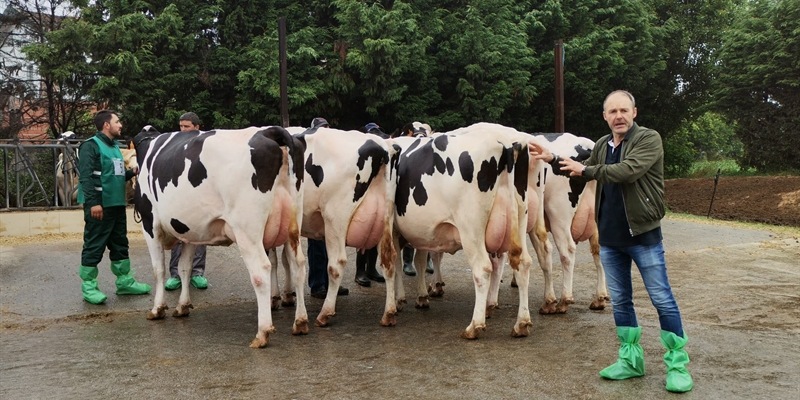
(112, 175)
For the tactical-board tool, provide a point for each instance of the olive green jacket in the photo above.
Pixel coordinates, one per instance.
(640, 174)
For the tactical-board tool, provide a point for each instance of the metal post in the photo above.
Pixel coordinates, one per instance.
(716, 181)
(282, 57)
(559, 84)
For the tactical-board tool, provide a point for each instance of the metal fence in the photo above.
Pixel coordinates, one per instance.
(31, 174)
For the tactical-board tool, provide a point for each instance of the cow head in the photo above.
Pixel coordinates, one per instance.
(141, 142)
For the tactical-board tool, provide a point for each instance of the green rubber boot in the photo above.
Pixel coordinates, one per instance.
(89, 286)
(678, 378)
(631, 356)
(125, 282)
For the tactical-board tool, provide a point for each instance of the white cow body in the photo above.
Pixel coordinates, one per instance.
(463, 191)
(348, 199)
(217, 188)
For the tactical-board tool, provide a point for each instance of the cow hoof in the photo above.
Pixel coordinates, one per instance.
(275, 303)
(289, 299)
(182, 310)
(548, 308)
(522, 329)
(472, 333)
(400, 304)
(300, 327)
(388, 319)
(598, 304)
(262, 338)
(422, 302)
(160, 313)
(490, 310)
(563, 306)
(323, 320)
(437, 290)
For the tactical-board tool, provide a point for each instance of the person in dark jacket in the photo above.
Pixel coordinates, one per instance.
(628, 165)
(102, 193)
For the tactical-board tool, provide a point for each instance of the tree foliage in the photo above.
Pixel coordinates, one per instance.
(448, 63)
(759, 83)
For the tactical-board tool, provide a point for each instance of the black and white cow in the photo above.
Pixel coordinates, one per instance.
(217, 188)
(569, 217)
(556, 204)
(463, 190)
(348, 200)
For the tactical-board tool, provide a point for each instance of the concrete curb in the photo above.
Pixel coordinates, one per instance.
(27, 223)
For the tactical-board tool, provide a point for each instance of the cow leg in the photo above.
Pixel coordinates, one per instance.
(157, 259)
(337, 260)
(498, 264)
(258, 266)
(185, 270)
(544, 251)
(567, 249)
(481, 271)
(296, 265)
(289, 294)
(273, 259)
(436, 289)
(390, 266)
(420, 263)
(601, 292)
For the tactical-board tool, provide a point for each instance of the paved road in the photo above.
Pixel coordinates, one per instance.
(54, 345)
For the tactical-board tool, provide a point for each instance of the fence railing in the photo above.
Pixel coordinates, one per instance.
(32, 174)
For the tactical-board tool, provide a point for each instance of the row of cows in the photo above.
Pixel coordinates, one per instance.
(475, 188)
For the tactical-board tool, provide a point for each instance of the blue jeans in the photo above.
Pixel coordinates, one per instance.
(653, 268)
(317, 265)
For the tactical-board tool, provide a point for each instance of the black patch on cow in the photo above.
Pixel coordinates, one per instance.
(466, 166)
(449, 165)
(266, 157)
(506, 161)
(438, 162)
(179, 226)
(487, 175)
(144, 208)
(315, 171)
(379, 156)
(576, 188)
(394, 161)
(521, 169)
(583, 153)
(440, 142)
(410, 169)
(170, 162)
(551, 137)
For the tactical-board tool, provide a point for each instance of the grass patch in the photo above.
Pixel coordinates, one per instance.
(708, 169)
(782, 231)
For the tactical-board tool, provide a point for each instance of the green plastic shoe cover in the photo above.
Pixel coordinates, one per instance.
(678, 378)
(631, 355)
(89, 286)
(172, 283)
(125, 282)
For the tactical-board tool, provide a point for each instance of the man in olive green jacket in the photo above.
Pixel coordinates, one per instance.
(628, 165)
(102, 193)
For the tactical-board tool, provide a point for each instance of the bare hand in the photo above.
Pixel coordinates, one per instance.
(575, 168)
(97, 212)
(539, 152)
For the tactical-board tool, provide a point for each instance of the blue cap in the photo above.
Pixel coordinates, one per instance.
(319, 121)
(370, 126)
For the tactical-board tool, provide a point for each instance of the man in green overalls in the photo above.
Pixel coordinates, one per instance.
(102, 193)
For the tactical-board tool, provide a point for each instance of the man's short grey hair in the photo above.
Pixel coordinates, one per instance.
(191, 117)
(625, 92)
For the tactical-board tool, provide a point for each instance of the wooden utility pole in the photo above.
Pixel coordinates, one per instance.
(559, 84)
(282, 57)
